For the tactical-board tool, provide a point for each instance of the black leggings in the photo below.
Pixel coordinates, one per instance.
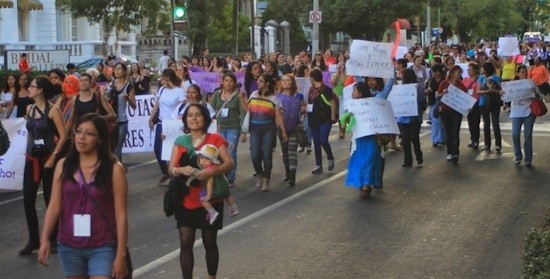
(187, 240)
(30, 190)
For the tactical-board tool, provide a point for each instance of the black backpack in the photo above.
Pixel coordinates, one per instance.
(4, 140)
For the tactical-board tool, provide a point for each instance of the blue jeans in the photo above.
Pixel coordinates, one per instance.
(261, 148)
(87, 261)
(529, 122)
(320, 139)
(231, 135)
(438, 133)
(122, 132)
(158, 150)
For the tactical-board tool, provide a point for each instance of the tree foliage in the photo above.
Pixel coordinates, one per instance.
(221, 33)
(201, 16)
(112, 15)
(294, 12)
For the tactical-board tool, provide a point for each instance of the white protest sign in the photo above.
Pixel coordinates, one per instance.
(370, 59)
(404, 100)
(140, 137)
(303, 84)
(464, 67)
(172, 129)
(518, 90)
(400, 52)
(372, 116)
(508, 46)
(347, 96)
(12, 164)
(458, 100)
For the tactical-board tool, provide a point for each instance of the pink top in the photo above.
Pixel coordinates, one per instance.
(75, 200)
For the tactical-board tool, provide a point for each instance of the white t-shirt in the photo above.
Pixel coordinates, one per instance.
(169, 99)
(521, 108)
(163, 62)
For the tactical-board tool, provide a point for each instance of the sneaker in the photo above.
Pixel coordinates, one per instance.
(308, 150)
(212, 216)
(330, 165)
(498, 148)
(301, 149)
(435, 144)
(475, 145)
(317, 170)
(517, 161)
(528, 165)
(233, 210)
(454, 159)
(449, 157)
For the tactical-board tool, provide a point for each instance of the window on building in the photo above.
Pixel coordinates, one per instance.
(74, 29)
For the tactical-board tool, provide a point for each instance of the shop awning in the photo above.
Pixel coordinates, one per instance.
(28, 5)
(6, 4)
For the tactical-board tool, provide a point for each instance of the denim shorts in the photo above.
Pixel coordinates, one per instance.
(87, 261)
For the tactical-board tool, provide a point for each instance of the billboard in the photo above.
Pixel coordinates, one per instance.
(41, 60)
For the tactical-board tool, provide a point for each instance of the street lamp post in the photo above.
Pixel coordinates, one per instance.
(286, 37)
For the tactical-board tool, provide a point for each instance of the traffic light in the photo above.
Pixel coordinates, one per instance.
(180, 9)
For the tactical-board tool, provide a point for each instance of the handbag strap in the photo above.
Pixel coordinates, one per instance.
(226, 101)
(95, 204)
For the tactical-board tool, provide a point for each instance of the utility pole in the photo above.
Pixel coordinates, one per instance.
(428, 24)
(315, 30)
(252, 29)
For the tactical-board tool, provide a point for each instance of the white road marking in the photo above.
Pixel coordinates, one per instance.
(174, 254)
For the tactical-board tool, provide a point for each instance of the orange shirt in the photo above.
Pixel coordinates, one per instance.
(538, 74)
(24, 66)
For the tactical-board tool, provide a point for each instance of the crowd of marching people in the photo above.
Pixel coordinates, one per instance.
(78, 122)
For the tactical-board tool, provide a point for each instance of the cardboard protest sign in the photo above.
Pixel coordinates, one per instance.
(458, 100)
(404, 100)
(518, 90)
(372, 116)
(372, 59)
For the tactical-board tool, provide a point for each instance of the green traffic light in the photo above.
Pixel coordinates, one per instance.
(179, 12)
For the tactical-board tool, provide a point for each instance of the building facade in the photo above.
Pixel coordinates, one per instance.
(39, 25)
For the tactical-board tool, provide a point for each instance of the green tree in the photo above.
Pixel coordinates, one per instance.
(117, 15)
(201, 15)
(158, 15)
(291, 11)
(221, 33)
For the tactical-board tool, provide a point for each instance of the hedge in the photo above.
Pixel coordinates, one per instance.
(536, 261)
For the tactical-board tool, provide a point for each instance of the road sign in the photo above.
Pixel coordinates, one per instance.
(315, 16)
(178, 35)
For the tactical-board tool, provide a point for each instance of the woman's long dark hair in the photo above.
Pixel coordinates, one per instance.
(18, 86)
(248, 77)
(171, 75)
(7, 87)
(106, 159)
(409, 76)
(363, 88)
(205, 113)
(270, 84)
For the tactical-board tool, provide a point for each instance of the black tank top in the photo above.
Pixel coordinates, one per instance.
(41, 133)
(81, 108)
(22, 104)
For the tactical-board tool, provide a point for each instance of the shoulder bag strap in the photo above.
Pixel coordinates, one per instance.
(225, 103)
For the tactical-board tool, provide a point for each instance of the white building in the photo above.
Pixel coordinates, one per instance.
(41, 26)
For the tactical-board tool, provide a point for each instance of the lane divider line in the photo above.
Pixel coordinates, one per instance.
(174, 254)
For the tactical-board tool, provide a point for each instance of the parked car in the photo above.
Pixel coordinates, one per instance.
(92, 62)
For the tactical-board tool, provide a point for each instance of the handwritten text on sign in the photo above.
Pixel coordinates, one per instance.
(373, 116)
(458, 100)
(370, 59)
(518, 90)
(508, 46)
(348, 96)
(404, 100)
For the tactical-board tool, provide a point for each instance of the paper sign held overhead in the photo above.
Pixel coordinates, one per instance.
(370, 59)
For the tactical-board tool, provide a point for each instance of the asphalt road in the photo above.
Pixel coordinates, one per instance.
(434, 221)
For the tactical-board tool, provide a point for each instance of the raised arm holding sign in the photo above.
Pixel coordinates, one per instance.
(372, 59)
(508, 46)
(518, 90)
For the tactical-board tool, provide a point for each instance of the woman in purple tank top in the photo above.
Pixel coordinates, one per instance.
(89, 199)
